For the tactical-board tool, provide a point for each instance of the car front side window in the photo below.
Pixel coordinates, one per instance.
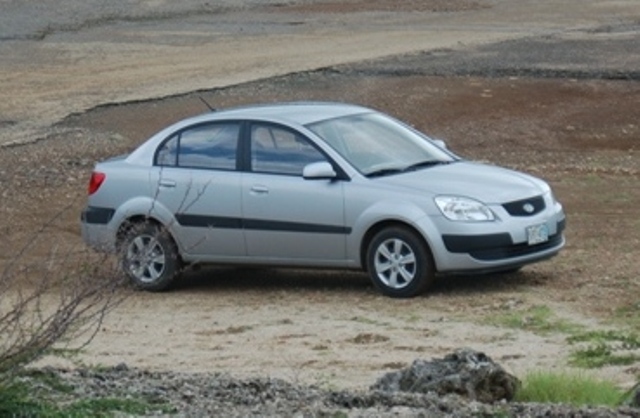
(280, 151)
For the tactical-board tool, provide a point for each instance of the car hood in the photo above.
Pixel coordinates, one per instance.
(486, 183)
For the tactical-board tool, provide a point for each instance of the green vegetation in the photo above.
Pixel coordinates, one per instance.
(594, 348)
(15, 401)
(45, 395)
(49, 379)
(105, 407)
(573, 389)
(604, 348)
(539, 319)
(630, 314)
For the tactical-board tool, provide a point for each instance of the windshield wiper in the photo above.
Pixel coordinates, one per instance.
(424, 164)
(384, 172)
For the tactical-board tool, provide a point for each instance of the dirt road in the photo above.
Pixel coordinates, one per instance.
(58, 62)
(536, 102)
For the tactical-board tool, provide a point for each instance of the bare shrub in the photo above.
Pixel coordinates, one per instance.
(54, 292)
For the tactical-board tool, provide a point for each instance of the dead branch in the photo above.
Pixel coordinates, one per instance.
(56, 300)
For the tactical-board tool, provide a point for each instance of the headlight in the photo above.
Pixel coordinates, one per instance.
(458, 208)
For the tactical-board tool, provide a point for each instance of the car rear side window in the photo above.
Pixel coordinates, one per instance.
(212, 146)
(280, 151)
(168, 152)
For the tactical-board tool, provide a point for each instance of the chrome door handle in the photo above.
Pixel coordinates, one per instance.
(167, 183)
(257, 189)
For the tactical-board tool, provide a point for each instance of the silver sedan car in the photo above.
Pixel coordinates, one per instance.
(322, 185)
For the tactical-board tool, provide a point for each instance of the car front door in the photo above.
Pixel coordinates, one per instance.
(285, 216)
(195, 177)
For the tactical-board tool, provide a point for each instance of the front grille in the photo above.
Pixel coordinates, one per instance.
(525, 207)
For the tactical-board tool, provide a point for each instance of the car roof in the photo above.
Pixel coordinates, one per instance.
(300, 113)
(291, 113)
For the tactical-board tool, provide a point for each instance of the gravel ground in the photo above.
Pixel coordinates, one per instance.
(609, 52)
(200, 395)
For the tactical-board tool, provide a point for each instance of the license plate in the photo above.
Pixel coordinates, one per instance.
(537, 234)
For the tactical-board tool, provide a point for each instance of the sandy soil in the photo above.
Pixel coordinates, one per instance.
(332, 328)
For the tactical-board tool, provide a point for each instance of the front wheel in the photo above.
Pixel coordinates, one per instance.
(400, 263)
(149, 257)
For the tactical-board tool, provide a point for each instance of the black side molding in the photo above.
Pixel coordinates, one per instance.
(97, 215)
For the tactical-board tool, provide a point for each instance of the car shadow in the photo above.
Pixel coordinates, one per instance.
(280, 279)
(273, 279)
(491, 282)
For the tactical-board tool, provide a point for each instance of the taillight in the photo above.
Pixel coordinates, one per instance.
(96, 181)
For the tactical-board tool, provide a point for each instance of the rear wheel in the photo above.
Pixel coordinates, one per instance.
(399, 263)
(149, 257)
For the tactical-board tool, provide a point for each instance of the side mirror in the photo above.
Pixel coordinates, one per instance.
(440, 143)
(319, 171)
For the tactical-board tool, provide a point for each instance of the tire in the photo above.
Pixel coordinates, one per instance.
(399, 263)
(149, 257)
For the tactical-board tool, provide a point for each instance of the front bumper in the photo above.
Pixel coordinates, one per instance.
(500, 246)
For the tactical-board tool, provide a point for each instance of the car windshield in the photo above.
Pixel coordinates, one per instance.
(377, 145)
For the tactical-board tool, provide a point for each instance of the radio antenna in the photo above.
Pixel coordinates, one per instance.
(213, 109)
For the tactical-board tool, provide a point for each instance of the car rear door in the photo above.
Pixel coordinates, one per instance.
(285, 216)
(196, 178)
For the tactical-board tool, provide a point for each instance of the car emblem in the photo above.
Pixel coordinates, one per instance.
(528, 207)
